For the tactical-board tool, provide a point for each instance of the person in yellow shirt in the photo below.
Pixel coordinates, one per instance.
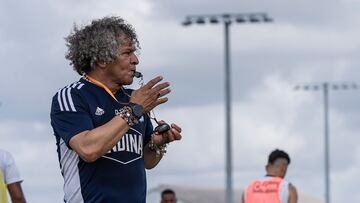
(10, 179)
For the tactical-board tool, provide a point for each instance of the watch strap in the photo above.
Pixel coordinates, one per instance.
(135, 108)
(127, 114)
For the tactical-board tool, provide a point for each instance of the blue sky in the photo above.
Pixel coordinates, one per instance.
(310, 41)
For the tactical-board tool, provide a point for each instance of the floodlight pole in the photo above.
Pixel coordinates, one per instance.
(227, 19)
(326, 142)
(228, 146)
(325, 88)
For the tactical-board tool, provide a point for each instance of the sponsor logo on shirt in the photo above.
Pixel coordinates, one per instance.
(266, 186)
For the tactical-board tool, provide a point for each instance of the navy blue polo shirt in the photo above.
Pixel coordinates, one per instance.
(118, 176)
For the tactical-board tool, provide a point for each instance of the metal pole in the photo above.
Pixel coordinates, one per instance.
(326, 141)
(326, 87)
(227, 19)
(229, 196)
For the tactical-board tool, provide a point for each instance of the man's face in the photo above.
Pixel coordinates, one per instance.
(121, 71)
(168, 198)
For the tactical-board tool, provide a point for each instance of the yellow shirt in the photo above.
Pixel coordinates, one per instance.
(8, 174)
(3, 191)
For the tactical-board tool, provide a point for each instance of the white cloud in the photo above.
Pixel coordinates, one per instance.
(284, 38)
(85, 11)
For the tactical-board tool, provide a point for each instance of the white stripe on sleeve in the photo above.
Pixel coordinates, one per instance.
(59, 101)
(70, 100)
(63, 96)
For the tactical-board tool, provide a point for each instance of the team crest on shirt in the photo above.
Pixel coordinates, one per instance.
(99, 111)
(128, 149)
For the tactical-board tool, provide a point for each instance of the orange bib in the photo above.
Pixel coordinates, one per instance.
(264, 191)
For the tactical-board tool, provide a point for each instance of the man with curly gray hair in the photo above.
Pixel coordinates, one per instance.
(104, 135)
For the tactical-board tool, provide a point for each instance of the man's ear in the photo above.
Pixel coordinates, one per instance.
(101, 64)
(267, 167)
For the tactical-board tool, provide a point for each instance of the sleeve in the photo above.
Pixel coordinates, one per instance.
(11, 172)
(69, 114)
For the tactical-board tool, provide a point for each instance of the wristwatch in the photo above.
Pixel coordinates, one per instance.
(137, 110)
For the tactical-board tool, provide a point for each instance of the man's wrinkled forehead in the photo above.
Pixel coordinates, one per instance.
(126, 40)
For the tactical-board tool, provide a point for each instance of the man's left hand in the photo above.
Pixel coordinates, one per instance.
(169, 136)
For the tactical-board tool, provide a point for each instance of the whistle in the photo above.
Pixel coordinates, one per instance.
(137, 74)
(162, 128)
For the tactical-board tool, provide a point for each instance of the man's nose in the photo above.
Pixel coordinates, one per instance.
(134, 59)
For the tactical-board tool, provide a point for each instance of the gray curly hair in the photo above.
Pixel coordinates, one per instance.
(97, 42)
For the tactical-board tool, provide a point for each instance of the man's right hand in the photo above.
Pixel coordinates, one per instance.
(151, 94)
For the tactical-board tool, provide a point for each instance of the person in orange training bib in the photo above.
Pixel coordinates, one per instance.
(272, 188)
